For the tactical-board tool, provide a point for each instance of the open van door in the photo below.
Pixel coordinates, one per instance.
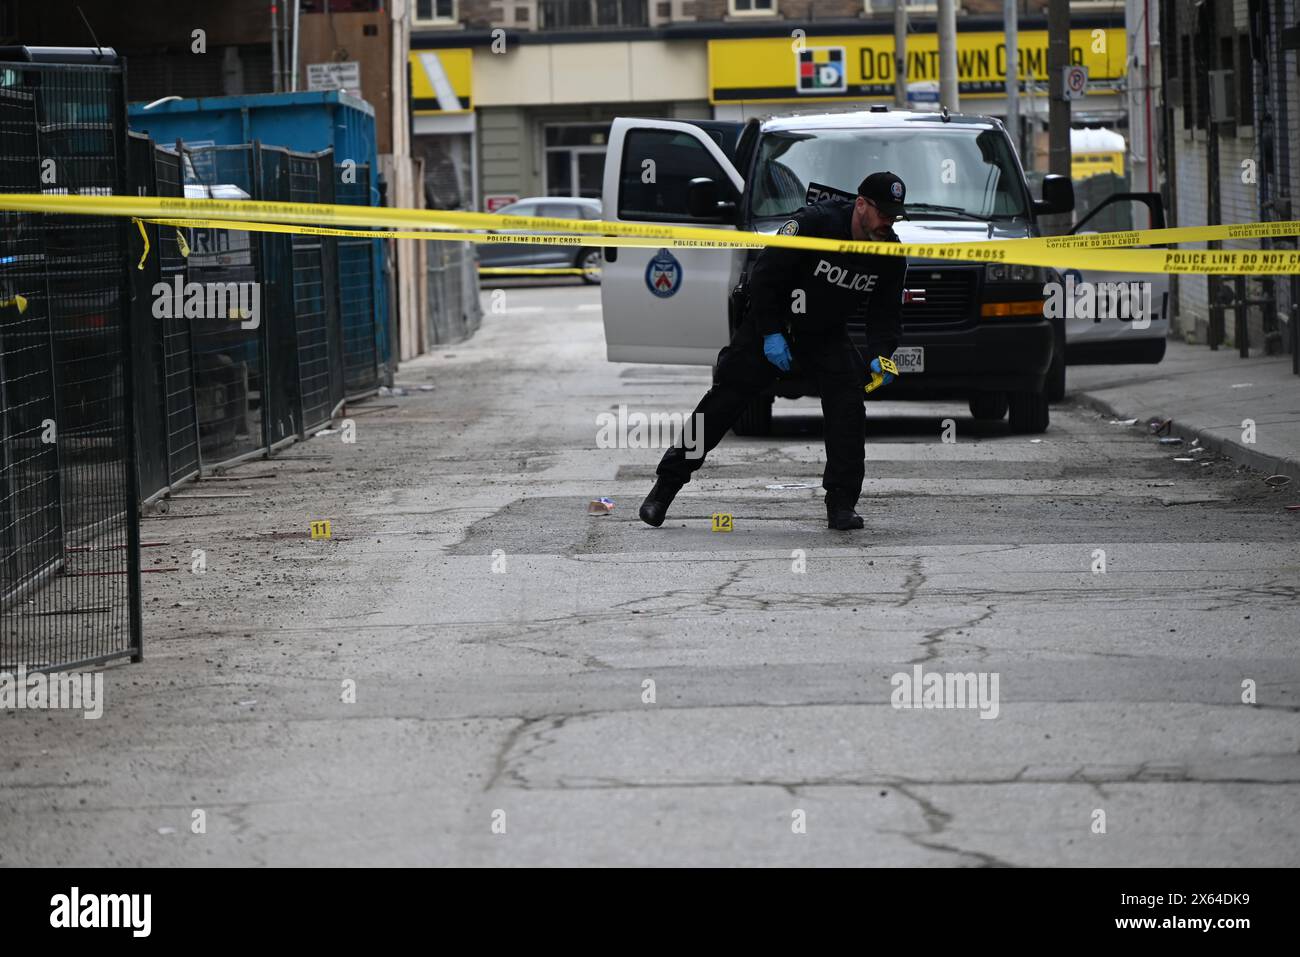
(670, 305)
(1130, 321)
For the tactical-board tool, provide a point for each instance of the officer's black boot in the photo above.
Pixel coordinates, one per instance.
(840, 514)
(655, 507)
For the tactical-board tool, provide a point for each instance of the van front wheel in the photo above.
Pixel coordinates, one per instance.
(1029, 414)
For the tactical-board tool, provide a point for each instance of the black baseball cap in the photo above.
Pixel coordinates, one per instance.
(887, 191)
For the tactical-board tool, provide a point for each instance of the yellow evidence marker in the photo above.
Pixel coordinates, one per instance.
(877, 379)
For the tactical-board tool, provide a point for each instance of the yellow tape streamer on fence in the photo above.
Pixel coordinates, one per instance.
(144, 236)
(1107, 252)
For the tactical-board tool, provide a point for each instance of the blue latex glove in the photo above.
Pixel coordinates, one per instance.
(777, 351)
(875, 367)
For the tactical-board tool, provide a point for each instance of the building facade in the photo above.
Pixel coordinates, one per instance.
(1231, 154)
(201, 48)
(514, 98)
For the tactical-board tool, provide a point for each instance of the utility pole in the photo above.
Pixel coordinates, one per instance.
(900, 54)
(275, 47)
(948, 55)
(293, 68)
(1012, 17)
(1058, 109)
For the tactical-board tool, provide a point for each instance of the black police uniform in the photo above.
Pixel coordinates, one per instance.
(835, 287)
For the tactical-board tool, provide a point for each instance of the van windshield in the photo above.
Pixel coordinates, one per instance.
(970, 169)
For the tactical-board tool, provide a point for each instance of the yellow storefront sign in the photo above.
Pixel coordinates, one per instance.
(442, 81)
(818, 69)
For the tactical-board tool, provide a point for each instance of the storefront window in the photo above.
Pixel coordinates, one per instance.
(575, 159)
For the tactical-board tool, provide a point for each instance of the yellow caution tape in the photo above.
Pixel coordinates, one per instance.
(1099, 252)
(144, 254)
(19, 301)
(181, 244)
(444, 235)
(1148, 261)
(1116, 240)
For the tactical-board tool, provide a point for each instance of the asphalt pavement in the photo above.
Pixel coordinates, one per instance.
(474, 670)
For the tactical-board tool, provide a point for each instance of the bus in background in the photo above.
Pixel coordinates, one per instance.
(1096, 151)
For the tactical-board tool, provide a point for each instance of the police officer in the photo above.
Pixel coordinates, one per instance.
(799, 302)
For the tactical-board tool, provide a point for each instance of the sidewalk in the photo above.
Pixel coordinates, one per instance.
(1207, 395)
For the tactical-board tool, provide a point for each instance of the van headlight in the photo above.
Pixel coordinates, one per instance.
(1010, 272)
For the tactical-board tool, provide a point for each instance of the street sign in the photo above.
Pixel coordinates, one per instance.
(923, 95)
(1076, 82)
(335, 76)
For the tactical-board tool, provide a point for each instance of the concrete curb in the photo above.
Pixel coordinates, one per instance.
(1241, 454)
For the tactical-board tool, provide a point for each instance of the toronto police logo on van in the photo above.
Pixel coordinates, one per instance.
(663, 276)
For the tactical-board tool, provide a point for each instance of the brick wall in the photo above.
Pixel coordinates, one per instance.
(849, 9)
(1240, 167)
(1284, 83)
(480, 14)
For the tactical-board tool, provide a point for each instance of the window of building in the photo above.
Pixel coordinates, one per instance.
(1189, 83)
(575, 159)
(1245, 82)
(742, 8)
(435, 11)
(591, 14)
(1226, 54)
(1170, 15)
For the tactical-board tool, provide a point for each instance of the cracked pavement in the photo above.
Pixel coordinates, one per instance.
(499, 638)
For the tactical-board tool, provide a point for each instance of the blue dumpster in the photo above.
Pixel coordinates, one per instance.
(306, 122)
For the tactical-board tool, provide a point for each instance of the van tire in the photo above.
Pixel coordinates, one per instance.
(1055, 384)
(1029, 413)
(756, 419)
(988, 406)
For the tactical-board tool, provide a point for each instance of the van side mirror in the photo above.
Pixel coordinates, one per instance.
(1058, 195)
(702, 200)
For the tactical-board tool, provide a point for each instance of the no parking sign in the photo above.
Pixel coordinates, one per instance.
(1076, 82)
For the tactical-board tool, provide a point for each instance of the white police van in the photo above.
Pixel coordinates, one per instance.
(969, 330)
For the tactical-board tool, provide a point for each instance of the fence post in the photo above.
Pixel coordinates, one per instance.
(129, 451)
(263, 275)
(194, 356)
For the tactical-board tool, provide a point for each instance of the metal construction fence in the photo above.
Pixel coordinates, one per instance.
(455, 312)
(69, 528)
(257, 338)
(135, 357)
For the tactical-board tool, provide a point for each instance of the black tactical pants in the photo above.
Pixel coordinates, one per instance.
(744, 371)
